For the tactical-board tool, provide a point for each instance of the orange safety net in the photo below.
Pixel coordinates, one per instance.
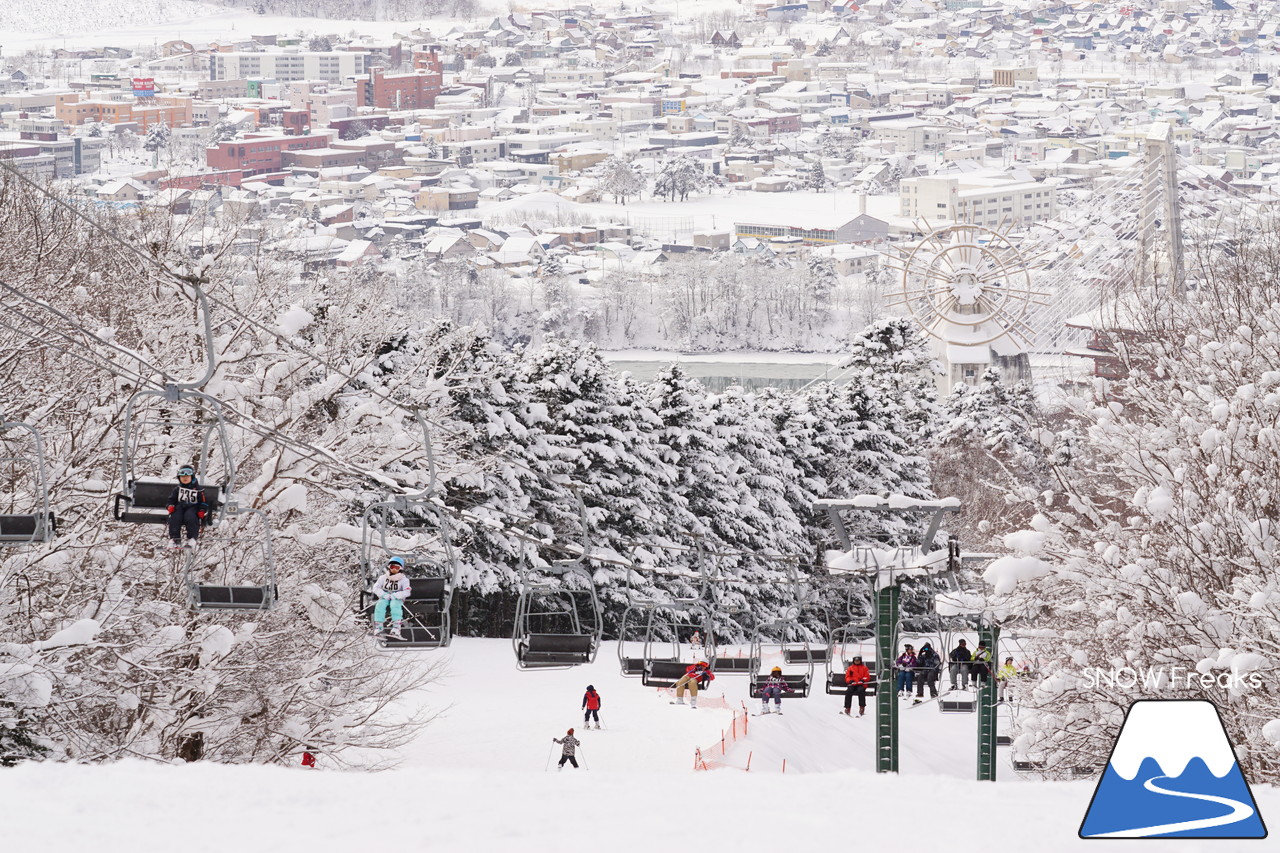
(713, 756)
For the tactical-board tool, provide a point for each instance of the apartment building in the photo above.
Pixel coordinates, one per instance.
(413, 91)
(980, 200)
(79, 107)
(286, 65)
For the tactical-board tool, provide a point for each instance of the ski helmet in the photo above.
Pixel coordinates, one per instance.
(776, 669)
(589, 687)
(396, 561)
(857, 658)
(186, 471)
(570, 731)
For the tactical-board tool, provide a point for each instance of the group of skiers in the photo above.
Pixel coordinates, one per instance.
(968, 669)
(569, 744)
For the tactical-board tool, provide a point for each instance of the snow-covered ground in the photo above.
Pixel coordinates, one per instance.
(476, 781)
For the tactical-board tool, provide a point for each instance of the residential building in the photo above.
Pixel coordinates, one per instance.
(413, 91)
(286, 65)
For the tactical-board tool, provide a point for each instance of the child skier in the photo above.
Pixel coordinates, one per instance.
(906, 664)
(591, 704)
(570, 746)
(689, 681)
(187, 507)
(391, 589)
(858, 678)
(1004, 675)
(772, 688)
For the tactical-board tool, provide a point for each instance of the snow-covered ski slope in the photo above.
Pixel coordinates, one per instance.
(475, 781)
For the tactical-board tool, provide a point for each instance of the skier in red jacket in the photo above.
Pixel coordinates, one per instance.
(858, 678)
(591, 703)
(689, 681)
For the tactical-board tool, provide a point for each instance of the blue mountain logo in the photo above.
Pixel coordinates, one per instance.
(1173, 774)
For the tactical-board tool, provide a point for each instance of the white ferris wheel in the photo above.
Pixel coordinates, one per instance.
(970, 288)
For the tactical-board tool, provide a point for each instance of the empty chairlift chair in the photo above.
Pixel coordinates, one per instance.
(556, 625)
(22, 469)
(240, 549)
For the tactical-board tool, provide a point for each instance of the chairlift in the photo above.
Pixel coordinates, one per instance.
(27, 486)
(776, 634)
(856, 637)
(432, 568)
(431, 580)
(661, 624)
(161, 430)
(559, 624)
(240, 548)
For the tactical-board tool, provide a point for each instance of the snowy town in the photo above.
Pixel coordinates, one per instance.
(829, 405)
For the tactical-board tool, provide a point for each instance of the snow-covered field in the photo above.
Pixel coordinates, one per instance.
(476, 781)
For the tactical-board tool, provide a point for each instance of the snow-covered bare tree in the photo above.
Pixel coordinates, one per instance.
(1157, 545)
(620, 179)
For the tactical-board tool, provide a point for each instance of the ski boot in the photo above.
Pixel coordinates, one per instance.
(396, 634)
(693, 703)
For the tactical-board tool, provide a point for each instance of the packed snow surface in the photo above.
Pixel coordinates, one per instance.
(475, 781)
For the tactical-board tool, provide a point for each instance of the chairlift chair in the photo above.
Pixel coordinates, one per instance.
(856, 637)
(431, 580)
(550, 629)
(848, 642)
(240, 546)
(559, 625)
(798, 682)
(24, 457)
(154, 429)
(661, 623)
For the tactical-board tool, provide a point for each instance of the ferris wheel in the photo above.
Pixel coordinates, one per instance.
(968, 285)
(970, 288)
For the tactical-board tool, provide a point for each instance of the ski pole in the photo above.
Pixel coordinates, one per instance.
(583, 756)
(549, 754)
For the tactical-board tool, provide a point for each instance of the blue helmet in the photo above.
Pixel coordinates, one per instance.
(186, 471)
(398, 561)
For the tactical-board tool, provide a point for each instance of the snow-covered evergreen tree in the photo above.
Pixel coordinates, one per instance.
(815, 177)
(989, 445)
(892, 358)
